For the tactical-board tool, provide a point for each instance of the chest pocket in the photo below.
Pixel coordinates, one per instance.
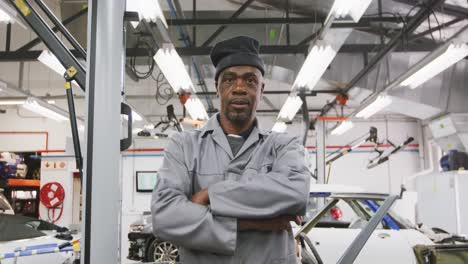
(261, 161)
(206, 174)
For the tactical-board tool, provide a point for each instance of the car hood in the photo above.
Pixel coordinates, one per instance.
(49, 238)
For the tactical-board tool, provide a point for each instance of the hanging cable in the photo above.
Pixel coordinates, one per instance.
(150, 61)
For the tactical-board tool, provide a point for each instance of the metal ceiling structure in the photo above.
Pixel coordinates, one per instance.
(193, 30)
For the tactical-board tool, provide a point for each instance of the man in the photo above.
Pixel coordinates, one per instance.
(226, 193)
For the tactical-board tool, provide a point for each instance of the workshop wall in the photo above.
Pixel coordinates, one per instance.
(49, 133)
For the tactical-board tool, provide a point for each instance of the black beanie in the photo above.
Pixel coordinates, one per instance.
(236, 51)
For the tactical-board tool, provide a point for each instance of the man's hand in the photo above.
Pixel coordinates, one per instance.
(201, 197)
(280, 223)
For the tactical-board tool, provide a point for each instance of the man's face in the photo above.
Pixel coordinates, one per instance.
(240, 89)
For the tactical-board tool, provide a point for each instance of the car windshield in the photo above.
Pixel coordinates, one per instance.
(14, 227)
(353, 213)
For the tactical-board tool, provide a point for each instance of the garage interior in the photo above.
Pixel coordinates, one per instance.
(376, 91)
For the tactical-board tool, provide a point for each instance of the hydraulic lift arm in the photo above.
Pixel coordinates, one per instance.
(372, 137)
(379, 160)
(75, 71)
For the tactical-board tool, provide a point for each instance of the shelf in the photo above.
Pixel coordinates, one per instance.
(23, 183)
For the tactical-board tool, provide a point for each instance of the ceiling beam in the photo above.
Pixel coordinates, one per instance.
(31, 55)
(453, 10)
(65, 22)
(276, 20)
(412, 25)
(223, 27)
(441, 26)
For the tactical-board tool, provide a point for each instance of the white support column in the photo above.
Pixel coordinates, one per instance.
(101, 182)
(320, 148)
(320, 129)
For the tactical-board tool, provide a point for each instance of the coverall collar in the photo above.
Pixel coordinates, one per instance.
(213, 126)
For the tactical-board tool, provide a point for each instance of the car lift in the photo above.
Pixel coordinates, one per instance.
(99, 151)
(352, 252)
(74, 70)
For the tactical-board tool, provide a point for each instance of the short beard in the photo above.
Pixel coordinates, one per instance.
(238, 118)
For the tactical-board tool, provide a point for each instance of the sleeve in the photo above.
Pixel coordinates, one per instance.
(282, 191)
(176, 219)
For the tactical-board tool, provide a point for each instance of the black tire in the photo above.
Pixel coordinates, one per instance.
(162, 251)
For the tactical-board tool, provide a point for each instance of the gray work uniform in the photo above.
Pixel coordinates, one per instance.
(267, 178)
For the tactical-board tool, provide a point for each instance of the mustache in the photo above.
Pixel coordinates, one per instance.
(239, 100)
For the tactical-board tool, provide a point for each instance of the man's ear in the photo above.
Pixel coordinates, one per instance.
(263, 86)
(217, 90)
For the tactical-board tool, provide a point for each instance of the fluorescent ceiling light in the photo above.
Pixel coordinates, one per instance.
(42, 108)
(420, 74)
(343, 127)
(9, 15)
(9, 90)
(290, 108)
(173, 68)
(380, 103)
(12, 102)
(196, 109)
(279, 127)
(18, 101)
(150, 10)
(315, 65)
(49, 60)
(353, 8)
(4, 17)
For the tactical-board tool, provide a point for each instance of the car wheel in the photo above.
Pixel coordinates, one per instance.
(162, 251)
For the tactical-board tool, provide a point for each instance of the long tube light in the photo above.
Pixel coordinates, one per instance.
(48, 59)
(279, 127)
(173, 68)
(18, 101)
(44, 109)
(342, 128)
(446, 58)
(149, 10)
(196, 109)
(315, 65)
(380, 103)
(12, 102)
(4, 17)
(290, 108)
(9, 15)
(353, 8)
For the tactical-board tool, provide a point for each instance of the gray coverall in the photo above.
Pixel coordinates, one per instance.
(267, 178)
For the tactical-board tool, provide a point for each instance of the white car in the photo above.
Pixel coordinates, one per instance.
(359, 227)
(5, 207)
(25, 240)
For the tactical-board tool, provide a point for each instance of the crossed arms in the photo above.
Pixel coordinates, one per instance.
(210, 219)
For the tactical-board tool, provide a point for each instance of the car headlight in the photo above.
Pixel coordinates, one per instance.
(136, 228)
